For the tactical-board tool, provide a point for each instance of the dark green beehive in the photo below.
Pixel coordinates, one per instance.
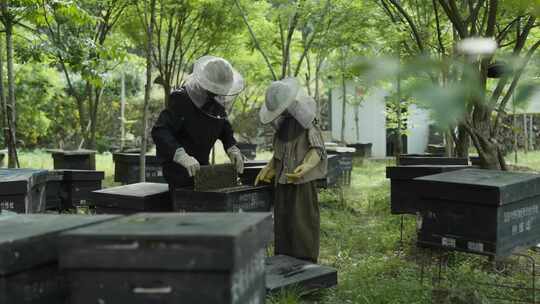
(133, 198)
(23, 190)
(126, 168)
(28, 256)
(408, 160)
(169, 258)
(74, 159)
(480, 211)
(404, 198)
(77, 186)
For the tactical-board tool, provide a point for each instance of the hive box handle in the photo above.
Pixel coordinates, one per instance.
(152, 290)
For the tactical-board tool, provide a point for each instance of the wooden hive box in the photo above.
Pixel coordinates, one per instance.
(126, 168)
(133, 198)
(55, 181)
(250, 174)
(410, 160)
(23, 190)
(284, 272)
(74, 159)
(231, 199)
(403, 198)
(480, 211)
(28, 257)
(333, 176)
(362, 149)
(255, 163)
(78, 185)
(345, 161)
(169, 258)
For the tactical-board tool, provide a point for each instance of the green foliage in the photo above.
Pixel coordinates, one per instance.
(40, 96)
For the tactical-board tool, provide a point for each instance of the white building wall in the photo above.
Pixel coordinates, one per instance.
(418, 130)
(372, 122)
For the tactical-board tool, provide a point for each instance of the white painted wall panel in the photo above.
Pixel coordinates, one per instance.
(418, 129)
(371, 121)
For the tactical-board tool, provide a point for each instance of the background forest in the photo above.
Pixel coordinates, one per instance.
(66, 66)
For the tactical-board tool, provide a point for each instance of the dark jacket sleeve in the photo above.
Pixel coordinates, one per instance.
(227, 136)
(163, 135)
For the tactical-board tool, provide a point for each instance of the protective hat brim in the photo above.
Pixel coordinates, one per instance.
(266, 115)
(232, 89)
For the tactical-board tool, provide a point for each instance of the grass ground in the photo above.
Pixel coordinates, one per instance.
(360, 238)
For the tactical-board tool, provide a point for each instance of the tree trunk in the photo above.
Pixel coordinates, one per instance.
(5, 113)
(481, 134)
(344, 106)
(489, 155)
(525, 134)
(449, 139)
(463, 141)
(13, 160)
(514, 120)
(399, 142)
(122, 112)
(149, 47)
(317, 93)
(357, 120)
(93, 118)
(531, 133)
(166, 93)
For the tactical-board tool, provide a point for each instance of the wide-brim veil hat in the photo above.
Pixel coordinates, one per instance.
(216, 75)
(279, 96)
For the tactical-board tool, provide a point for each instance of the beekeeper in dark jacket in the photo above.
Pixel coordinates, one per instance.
(195, 119)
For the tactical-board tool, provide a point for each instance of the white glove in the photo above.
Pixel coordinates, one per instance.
(237, 159)
(185, 160)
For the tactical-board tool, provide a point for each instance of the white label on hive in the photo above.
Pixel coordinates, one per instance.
(514, 229)
(518, 214)
(474, 246)
(7, 205)
(448, 242)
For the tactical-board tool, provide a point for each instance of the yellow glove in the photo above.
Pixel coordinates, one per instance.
(311, 161)
(267, 174)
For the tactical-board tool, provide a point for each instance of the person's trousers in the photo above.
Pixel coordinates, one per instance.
(297, 221)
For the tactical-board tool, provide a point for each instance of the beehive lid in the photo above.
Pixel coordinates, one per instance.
(138, 190)
(139, 196)
(83, 175)
(168, 241)
(133, 157)
(432, 160)
(410, 172)
(19, 181)
(27, 241)
(489, 187)
(80, 152)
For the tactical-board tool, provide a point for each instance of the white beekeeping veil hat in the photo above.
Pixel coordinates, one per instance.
(286, 95)
(215, 75)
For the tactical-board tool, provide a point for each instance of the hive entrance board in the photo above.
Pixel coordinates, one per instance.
(216, 177)
(284, 272)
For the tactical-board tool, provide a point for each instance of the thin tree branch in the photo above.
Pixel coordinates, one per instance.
(255, 40)
(412, 26)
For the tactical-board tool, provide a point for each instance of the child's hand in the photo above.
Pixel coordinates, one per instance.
(266, 175)
(311, 160)
(299, 172)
